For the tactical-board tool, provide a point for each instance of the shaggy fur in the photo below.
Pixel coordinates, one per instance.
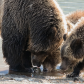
(72, 51)
(50, 65)
(15, 35)
(69, 26)
(47, 26)
(50, 25)
(73, 17)
(34, 25)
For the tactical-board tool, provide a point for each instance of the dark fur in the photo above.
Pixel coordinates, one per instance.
(36, 25)
(73, 49)
(72, 18)
(50, 25)
(15, 35)
(69, 25)
(52, 60)
(46, 32)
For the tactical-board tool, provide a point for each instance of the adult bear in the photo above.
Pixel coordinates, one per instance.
(37, 25)
(47, 27)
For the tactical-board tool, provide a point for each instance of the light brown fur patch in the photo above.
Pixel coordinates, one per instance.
(73, 17)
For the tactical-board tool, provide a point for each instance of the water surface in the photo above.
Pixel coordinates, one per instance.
(71, 5)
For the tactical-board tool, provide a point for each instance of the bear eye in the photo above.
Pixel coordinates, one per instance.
(65, 37)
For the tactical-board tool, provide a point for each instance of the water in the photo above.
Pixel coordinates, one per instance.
(3, 65)
(71, 5)
(67, 7)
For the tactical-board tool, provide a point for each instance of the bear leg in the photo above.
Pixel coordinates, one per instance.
(26, 59)
(76, 71)
(13, 53)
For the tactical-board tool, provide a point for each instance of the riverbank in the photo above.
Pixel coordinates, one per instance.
(37, 79)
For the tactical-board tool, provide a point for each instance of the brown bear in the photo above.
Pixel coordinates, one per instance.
(47, 36)
(50, 62)
(69, 25)
(72, 50)
(31, 26)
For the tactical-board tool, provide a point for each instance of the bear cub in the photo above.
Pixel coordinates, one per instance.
(72, 50)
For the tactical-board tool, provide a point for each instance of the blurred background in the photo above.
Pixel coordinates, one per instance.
(71, 5)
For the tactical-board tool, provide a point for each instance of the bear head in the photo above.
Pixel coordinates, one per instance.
(72, 49)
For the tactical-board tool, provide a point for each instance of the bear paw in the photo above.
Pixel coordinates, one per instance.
(72, 75)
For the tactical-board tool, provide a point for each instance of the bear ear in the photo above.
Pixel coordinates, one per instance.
(65, 37)
(77, 48)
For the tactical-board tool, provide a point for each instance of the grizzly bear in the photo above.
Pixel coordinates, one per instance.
(31, 27)
(46, 33)
(72, 50)
(53, 57)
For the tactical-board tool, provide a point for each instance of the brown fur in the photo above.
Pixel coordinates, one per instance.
(31, 26)
(45, 50)
(69, 26)
(49, 60)
(52, 60)
(50, 34)
(72, 51)
(73, 17)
